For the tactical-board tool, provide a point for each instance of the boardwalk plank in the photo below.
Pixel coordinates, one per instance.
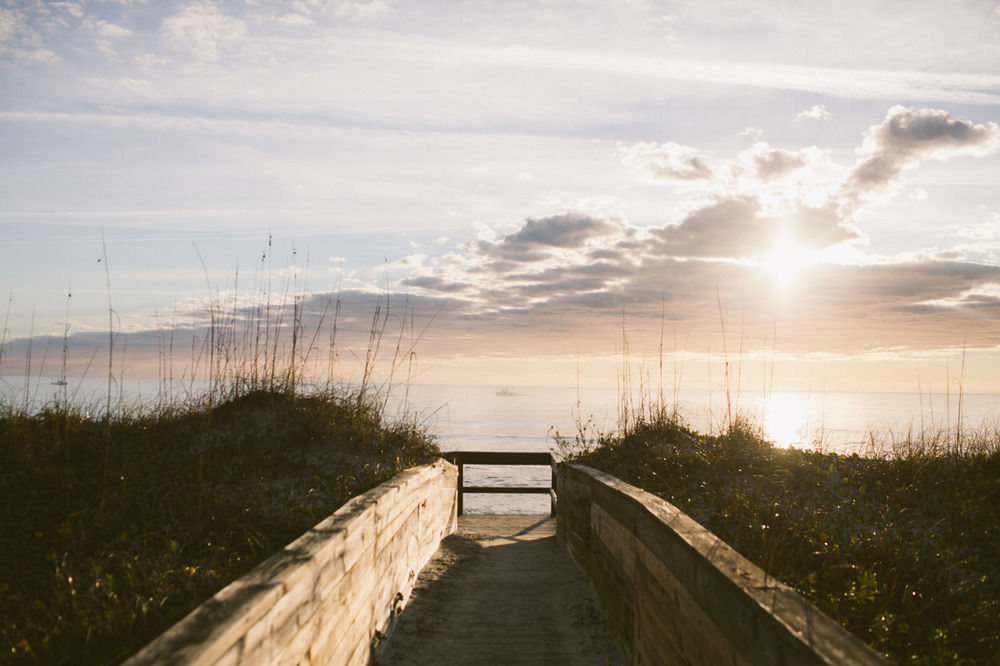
(501, 591)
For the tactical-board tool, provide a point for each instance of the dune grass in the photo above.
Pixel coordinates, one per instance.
(111, 531)
(116, 520)
(902, 549)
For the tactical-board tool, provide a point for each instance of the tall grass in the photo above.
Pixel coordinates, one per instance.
(902, 546)
(118, 517)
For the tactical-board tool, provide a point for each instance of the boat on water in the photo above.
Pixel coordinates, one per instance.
(65, 349)
(507, 392)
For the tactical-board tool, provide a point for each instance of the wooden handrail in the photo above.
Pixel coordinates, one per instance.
(462, 458)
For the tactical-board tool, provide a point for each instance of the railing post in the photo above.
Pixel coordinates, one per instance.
(553, 493)
(461, 485)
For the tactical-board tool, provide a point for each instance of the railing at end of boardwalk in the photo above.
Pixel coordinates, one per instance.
(462, 458)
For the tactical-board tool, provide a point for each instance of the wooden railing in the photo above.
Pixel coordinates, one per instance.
(462, 458)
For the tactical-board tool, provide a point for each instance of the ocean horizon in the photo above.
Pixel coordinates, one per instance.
(470, 415)
(529, 418)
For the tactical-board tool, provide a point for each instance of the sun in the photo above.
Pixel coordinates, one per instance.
(785, 263)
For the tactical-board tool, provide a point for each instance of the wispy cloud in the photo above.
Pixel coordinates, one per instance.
(110, 30)
(202, 30)
(595, 155)
(361, 11)
(851, 83)
(814, 112)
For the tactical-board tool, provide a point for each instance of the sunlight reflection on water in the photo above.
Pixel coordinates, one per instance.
(786, 419)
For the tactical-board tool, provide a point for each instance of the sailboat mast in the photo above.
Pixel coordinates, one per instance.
(65, 348)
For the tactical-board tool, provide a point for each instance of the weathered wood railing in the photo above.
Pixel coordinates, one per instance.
(674, 593)
(331, 595)
(462, 458)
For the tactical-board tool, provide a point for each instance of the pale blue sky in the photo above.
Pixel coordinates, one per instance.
(526, 171)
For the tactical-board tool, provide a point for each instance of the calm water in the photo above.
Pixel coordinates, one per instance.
(477, 418)
(526, 419)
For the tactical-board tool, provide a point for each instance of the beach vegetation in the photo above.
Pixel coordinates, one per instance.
(119, 516)
(901, 547)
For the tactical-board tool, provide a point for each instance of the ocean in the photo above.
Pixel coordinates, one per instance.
(529, 418)
(516, 418)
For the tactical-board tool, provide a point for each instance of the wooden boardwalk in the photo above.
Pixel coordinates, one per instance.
(501, 591)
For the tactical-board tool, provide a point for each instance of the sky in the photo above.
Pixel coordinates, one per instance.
(780, 194)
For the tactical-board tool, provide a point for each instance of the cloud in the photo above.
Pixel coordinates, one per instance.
(105, 47)
(73, 8)
(741, 226)
(771, 164)
(736, 222)
(554, 259)
(981, 232)
(572, 274)
(922, 133)
(294, 18)
(9, 20)
(815, 112)
(408, 262)
(360, 11)
(731, 227)
(434, 283)
(575, 272)
(150, 59)
(879, 289)
(140, 88)
(844, 82)
(537, 239)
(744, 207)
(568, 230)
(112, 31)
(579, 308)
(907, 136)
(201, 29)
(948, 255)
(663, 162)
(35, 55)
(820, 227)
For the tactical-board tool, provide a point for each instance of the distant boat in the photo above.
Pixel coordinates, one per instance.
(65, 350)
(506, 392)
